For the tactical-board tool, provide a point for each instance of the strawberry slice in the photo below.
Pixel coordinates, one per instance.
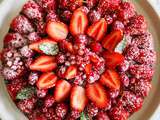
(113, 59)
(112, 40)
(111, 79)
(62, 90)
(98, 30)
(88, 69)
(35, 46)
(47, 80)
(57, 30)
(71, 72)
(44, 64)
(68, 46)
(97, 94)
(79, 22)
(78, 98)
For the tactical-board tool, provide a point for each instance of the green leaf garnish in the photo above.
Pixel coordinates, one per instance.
(121, 46)
(84, 116)
(49, 48)
(26, 93)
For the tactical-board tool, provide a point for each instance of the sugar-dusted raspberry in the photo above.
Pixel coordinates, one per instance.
(21, 25)
(130, 102)
(41, 28)
(33, 37)
(14, 40)
(136, 26)
(33, 11)
(108, 19)
(66, 15)
(79, 79)
(124, 66)
(131, 52)
(118, 113)
(85, 9)
(114, 93)
(27, 105)
(104, 5)
(141, 71)
(60, 58)
(143, 41)
(141, 87)
(75, 114)
(52, 16)
(41, 93)
(91, 3)
(126, 11)
(28, 62)
(81, 39)
(33, 78)
(102, 116)
(49, 101)
(92, 110)
(26, 52)
(124, 79)
(48, 5)
(61, 110)
(50, 114)
(94, 16)
(93, 77)
(146, 56)
(117, 25)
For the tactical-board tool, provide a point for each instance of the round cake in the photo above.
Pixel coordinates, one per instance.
(78, 60)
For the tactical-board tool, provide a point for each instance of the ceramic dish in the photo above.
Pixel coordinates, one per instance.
(150, 110)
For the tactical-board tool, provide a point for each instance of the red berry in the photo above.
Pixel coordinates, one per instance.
(75, 114)
(61, 110)
(52, 16)
(33, 78)
(26, 52)
(41, 93)
(92, 110)
(49, 101)
(94, 16)
(33, 37)
(102, 116)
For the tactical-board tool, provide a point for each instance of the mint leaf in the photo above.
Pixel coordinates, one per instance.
(26, 93)
(121, 46)
(49, 48)
(84, 116)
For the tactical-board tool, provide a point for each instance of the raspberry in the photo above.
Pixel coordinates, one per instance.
(81, 39)
(33, 78)
(143, 41)
(51, 115)
(49, 101)
(48, 5)
(33, 37)
(126, 11)
(21, 25)
(141, 88)
(75, 114)
(66, 15)
(84, 9)
(94, 16)
(141, 71)
(61, 110)
(104, 5)
(118, 113)
(92, 110)
(27, 105)
(117, 25)
(91, 3)
(26, 52)
(33, 11)
(96, 47)
(28, 62)
(102, 116)
(137, 25)
(108, 19)
(132, 52)
(114, 93)
(14, 40)
(41, 28)
(52, 16)
(93, 77)
(79, 80)
(146, 57)
(41, 93)
(130, 102)
(60, 58)
(124, 66)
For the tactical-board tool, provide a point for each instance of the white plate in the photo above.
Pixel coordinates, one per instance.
(8, 111)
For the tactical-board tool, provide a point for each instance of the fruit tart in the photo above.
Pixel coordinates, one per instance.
(78, 59)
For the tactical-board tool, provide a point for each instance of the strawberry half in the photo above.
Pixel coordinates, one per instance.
(78, 98)
(111, 79)
(98, 29)
(57, 30)
(62, 90)
(35, 46)
(71, 72)
(44, 64)
(113, 59)
(112, 40)
(47, 80)
(97, 94)
(78, 23)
